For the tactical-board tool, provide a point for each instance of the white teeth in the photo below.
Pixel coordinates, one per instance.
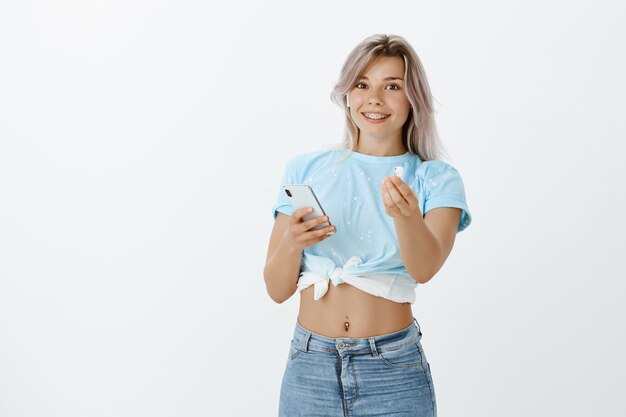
(374, 116)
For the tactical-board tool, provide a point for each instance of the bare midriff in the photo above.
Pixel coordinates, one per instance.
(346, 311)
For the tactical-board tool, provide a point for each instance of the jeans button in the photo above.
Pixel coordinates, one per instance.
(341, 345)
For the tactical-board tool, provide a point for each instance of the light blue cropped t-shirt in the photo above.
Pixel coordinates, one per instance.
(364, 251)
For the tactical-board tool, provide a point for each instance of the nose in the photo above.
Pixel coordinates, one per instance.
(374, 99)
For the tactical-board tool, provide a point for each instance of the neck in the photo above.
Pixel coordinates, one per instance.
(376, 148)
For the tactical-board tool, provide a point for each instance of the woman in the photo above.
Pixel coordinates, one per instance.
(394, 212)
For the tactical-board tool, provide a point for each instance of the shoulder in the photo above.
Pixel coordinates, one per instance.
(433, 167)
(439, 175)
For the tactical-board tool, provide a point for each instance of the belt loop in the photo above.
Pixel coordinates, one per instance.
(419, 330)
(305, 343)
(373, 347)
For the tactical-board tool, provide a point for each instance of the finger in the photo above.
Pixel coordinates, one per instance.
(409, 203)
(317, 240)
(390, 206)
(314, 234)
(406, 191)
(387, 200)
(309, 224)
(297, 215)
(403, 196)
(395, 194)
(400, 185)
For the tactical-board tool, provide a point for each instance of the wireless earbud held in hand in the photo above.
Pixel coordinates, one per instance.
(399, 170)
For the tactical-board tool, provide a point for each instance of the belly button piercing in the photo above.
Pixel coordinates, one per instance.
(346, 324)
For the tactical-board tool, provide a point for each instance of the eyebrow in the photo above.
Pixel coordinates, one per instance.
(385, 79)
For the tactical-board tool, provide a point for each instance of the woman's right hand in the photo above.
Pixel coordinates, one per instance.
(300, 234)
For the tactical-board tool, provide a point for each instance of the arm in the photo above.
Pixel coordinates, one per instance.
(426, 243)
(282, 264)
(290, 236)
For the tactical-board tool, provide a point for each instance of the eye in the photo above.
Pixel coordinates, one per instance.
(390, 85)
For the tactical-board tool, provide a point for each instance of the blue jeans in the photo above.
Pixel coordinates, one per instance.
(385, 375)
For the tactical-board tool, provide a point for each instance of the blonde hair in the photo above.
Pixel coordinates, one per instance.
(419, 134)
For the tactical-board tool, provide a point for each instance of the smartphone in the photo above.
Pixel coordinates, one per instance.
(301, 196)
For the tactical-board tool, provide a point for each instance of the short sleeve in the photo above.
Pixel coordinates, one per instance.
(282, 202)
(443, 187)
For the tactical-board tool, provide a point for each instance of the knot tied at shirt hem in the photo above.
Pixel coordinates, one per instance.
(381, 285)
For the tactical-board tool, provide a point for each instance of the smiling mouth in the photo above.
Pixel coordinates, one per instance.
(375, 116)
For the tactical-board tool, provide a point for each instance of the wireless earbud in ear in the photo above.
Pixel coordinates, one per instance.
(347, 100)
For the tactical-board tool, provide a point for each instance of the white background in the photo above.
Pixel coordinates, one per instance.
(141, 149)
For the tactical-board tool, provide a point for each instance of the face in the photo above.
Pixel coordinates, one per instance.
(376, 92)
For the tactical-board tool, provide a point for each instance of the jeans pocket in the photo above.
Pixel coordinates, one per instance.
(408, 356)
(294, 351)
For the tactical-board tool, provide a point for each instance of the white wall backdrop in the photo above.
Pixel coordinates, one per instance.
(141, 149)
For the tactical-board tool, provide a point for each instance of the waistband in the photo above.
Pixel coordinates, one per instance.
(307, 340)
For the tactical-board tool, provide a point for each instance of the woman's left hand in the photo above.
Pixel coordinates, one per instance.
(399, 198)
